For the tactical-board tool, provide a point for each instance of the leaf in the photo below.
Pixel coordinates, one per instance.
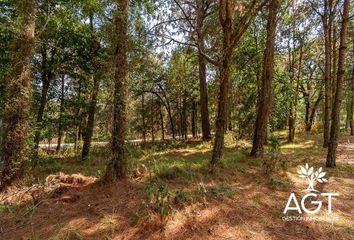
(322, 174)
(307, 166)
(303, 170)
(325, 180)
(312, 176)
(319, 180)
(310, 171)
(316, 174)
(299, 172)
(302, 176)
(320, 170)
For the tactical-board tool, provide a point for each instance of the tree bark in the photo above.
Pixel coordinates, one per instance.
(116, 168)
(162, 123)
(225, 18)
(17, 110)
(335, 126)
(352, 95)
(265, 97)
(46, 79)
(230, 37)
(309, 123)
(90, 119)
(327, 29)
(201, 5)
(96, 75)
(143, 116)
(61, 113)
(193, 120)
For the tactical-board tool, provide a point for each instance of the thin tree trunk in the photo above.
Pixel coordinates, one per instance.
(17, 110)
(162, 123)
(313, 113)
(152, 119)
(230, 37)
(116, 168)
(78, 116)
(143, 116)
(225, 16)
(265, 98)
(307, 115)
(352, 95)
(335, 126)
(327, 26)
(60, 124)
(46, 78)
(87, 136)
(193, 120)
(202, 73)
(334, 63)
(184, 119)
(90, 119)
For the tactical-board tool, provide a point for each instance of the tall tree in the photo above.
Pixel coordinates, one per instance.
(352, 94)
(16, 117)
(116, 168)
(265, 97)
(231, 35)
(335, 124)
(91, 111)
(202, 6)
(61, 112)
(46, 77)
(327, 22)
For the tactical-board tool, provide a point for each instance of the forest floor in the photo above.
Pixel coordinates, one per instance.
(170, 195)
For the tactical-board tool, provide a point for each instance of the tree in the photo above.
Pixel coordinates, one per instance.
(327, 22)
(116, 168)
(352, 96)
(95, 48)
(16, 117)
(202, 7)
(335, 118)
(265, 98)
(231, 35)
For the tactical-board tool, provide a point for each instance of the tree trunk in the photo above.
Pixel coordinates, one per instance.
(334, 63)
(87, 137)
(335, 126)
(161, 123)
(293, 104)
(327, 26)
(152, 119)
(313, 113)
(143, 116)
(17, 110)
(225, 16)
(202, 73)
(230, 37)
(193, 120)
(60, 123)
(90, 119)
(265, 97)
(116, 168)
(352, 96)
(46, 78)
(78, 116)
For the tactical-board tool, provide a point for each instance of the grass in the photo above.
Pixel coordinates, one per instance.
(176, 176)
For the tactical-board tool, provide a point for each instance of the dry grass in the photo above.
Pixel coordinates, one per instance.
(237, 203)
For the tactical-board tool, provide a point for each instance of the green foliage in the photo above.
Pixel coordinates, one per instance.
(159, 198)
